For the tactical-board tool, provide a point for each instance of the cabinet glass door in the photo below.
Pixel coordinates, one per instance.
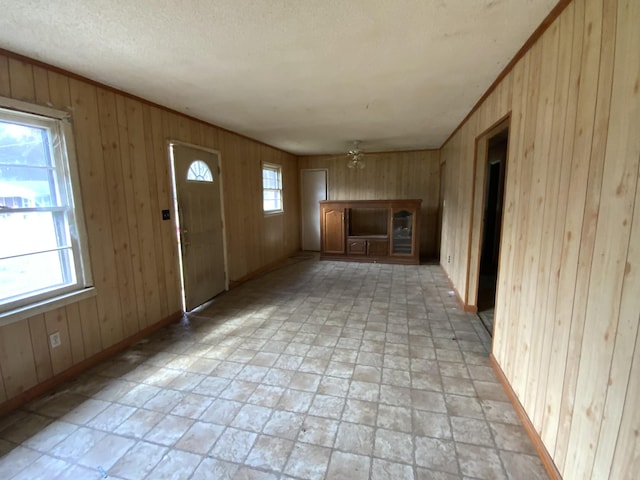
(402, 233)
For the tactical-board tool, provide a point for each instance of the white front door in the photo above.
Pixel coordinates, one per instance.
(313, 187)
(197, 184)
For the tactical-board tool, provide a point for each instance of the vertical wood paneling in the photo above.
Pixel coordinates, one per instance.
(21, 80)
(540, 219)
(555, 188)
(564, 244)
(5, 81)
(40, 346)
(583, 193)
(95, 203)
(155, 215)
(61, 357)
(16, 358)
(388, 176)
(619, 438)
(141, 210)
(124, 169)
(131, 237)
(90, 326)
(158, 154)
(41, 86)
(111, 148)
(75, 332)
(618, 177)
(566, 331)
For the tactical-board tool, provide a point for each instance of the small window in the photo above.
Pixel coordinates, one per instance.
(272, 188)
(40, 244)
(199, 172)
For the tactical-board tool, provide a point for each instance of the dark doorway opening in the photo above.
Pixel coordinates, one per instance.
(493, 202)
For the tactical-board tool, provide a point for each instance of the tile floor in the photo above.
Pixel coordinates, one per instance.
(317, 370)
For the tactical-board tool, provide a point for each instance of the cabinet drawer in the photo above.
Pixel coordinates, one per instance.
(356, 247)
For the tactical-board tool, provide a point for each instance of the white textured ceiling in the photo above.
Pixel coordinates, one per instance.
(307, 76)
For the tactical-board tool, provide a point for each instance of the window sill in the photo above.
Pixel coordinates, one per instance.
(27, 311)
(273, 213)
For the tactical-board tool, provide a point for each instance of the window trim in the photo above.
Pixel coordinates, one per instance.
(83, 288)
(278, 169)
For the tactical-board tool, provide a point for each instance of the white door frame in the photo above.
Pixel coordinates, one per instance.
(302, 170)
(174, 199)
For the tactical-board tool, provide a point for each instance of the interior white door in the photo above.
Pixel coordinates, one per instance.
(200, 218)
(313, 186)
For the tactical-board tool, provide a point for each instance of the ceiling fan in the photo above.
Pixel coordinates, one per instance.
(355, 156)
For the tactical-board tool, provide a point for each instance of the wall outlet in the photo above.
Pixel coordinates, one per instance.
(54, 340)
(449, 259)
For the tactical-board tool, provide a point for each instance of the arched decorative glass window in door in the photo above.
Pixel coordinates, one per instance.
(199, 172)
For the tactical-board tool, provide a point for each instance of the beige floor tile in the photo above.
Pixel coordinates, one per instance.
(284, 424)
(385, 470)
(436, 454)
(75, 446)
(480, 462)
(200, 437)
(212, 468)
(355, 438)
(16, 460)
(138, 461)
(318, 431)
(176, 465)
(394, 446)
(471, 430)
(317, 370)
(169, 430)
(519, 465)
(48, 437)
(269, 453)
(349, 466)
(106, 452)
(308, 461)
(233, 445)
(36, 470)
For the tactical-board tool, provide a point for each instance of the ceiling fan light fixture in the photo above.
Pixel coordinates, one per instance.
(355, 156)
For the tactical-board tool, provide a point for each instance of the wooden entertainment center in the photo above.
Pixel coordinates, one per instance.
(384, 231)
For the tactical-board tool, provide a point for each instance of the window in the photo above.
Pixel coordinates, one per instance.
(271, 188)
(199, 172)
(40, 244)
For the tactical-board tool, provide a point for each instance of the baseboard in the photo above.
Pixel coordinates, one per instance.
(545, 458)
(77, 369)
(464, 306)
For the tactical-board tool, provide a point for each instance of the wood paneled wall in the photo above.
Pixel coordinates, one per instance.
(568, 303)
(386, 176)
(122, 152)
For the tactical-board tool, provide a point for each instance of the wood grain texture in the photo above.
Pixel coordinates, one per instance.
(121, 147)
(40, 345)
(566, 323)
(401, 175)
(17, 358)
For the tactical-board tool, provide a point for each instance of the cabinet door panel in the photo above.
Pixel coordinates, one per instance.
(377, 248)
(356, 247)
(333, 240)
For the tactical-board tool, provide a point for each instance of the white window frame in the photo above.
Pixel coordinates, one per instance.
(63, 151)
(278, 170)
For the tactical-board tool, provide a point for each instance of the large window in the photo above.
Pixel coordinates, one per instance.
(40, 224)
(271, 188)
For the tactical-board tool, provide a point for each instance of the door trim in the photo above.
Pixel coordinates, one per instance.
(225, 255)
(477, 211)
